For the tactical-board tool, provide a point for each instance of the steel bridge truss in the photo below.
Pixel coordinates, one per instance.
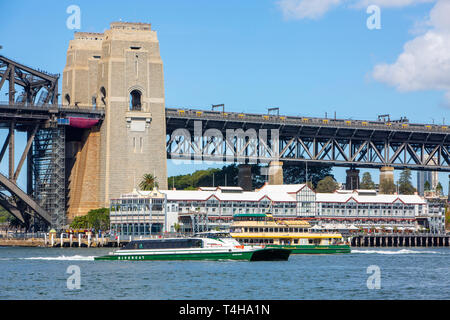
(359, 149)
(32, 81)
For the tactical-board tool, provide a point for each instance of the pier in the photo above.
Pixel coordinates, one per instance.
(401, 240)
(72, 240)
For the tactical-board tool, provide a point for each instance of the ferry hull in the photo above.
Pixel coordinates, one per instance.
(273, 254)
(314, 249)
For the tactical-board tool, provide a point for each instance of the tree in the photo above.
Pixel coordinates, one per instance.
(327, 185)
(427, 186)
(148, 182)
(294, 174)
(96, 218)
(439, 188)
(228, 176)
(366, 181)
(80, 222)
(387, 186)
(404, 183)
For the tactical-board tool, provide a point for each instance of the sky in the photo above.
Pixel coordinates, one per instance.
(307, 57)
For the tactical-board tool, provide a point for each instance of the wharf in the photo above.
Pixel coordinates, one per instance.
(401, 240)
(64, 242)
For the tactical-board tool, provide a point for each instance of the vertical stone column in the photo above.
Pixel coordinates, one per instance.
(245, 177)
(352, 179)
(276, 172)
(386, 174)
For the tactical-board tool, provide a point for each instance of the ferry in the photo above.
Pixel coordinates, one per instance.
(206, 246)
(295, 235)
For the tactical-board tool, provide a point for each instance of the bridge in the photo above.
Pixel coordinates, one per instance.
(225, 136)
(48, 128)
(115, 127)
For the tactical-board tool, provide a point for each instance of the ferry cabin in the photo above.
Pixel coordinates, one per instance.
(261, 229)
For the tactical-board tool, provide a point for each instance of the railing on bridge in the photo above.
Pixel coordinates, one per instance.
(51, 107)
(298, 120)
(236, 137)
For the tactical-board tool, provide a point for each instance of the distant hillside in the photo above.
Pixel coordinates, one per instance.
(228, 176)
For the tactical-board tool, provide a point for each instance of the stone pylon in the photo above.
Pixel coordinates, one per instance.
(121, 72)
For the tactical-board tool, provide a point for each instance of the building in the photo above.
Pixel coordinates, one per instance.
(432, 177)
(140, 214)
(214, 207)
(365, 209)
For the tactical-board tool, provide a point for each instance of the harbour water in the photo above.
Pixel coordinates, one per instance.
(42, 273)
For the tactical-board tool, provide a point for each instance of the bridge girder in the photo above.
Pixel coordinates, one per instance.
(262, 138)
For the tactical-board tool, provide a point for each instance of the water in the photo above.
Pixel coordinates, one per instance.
(41, 273)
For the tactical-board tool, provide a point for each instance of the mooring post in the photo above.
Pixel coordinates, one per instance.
(71, 240)
(89, 240)
(79, 240)
(45, 239)
(62, 243)
(52, 240)
(118, 240)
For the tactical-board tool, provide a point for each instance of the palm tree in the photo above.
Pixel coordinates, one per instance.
(148, 182)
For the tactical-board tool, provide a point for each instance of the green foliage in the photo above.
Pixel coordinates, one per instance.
(228, 176)
(404, 183)
(427, 186)
(327, 185)
(97, 219)
(80, 222)
(295, 174)
(4, 216)
(148, 182)
(367, 182)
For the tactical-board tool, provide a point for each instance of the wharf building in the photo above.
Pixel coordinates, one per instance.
(214, 207)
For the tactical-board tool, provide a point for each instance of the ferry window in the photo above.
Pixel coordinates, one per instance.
(295, 241)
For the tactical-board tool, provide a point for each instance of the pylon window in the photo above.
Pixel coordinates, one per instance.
(135, 100)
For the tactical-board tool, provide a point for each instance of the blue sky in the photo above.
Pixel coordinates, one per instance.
(254, 54)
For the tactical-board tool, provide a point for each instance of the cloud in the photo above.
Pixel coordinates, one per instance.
(307, 9)
(388, 3)
(424, 63)
(315, 9)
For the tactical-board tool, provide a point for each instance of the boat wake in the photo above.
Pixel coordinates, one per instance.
(63, 258)
(402, 251)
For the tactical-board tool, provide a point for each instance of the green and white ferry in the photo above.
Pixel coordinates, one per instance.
(206, 246)
(295, 235)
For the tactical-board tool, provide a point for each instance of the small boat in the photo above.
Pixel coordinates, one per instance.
(205, 246)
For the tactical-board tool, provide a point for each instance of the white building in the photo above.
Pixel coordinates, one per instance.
(208, 208)
(367, 209)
